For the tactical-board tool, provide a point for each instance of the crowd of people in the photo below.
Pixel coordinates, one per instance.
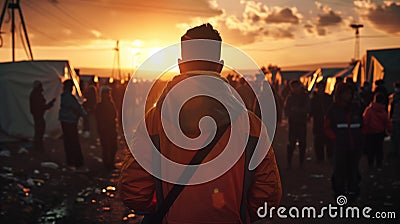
(347, 123)
(99, 116)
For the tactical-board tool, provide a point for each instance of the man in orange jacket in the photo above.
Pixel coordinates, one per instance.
(232, 197)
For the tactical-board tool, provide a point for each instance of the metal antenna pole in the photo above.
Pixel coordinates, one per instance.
(116, 58)
(3, 12)
(25, 31)
(357, 28)
(12, 5)
(119, 62)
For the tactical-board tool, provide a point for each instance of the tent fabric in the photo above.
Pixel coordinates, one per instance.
(16, 82)
(345, 72)
(289, 75)
(311, 78)
(389, 59)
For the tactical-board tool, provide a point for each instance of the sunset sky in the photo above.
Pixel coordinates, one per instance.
(281, 32)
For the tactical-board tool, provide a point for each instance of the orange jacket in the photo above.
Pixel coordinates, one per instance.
(217, 201)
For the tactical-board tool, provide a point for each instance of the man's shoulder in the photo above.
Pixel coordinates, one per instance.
(255, 124)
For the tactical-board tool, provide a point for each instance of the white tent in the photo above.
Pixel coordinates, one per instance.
(16, 81)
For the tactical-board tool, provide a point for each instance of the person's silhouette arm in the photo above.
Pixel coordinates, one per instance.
(50, 104)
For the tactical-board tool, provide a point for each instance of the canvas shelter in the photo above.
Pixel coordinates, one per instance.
(382, 64)
(291, 74)
(16, 82)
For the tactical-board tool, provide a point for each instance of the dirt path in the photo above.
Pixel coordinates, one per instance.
(32, 193)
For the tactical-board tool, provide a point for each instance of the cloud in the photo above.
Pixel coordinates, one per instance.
(385, 17)
(259, 21)
(285, 15)
(329, 19)
(309, 27)
(256, 21)
(326, 19)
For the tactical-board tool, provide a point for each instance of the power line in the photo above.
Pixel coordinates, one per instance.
(66, 23)
(73, 17)
(43, 33)
(40, 12)
(23, 40)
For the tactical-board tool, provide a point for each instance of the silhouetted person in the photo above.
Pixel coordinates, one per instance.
(89, 121)
(106, 116)
(338, 80)
(366, 94)
(376, 123)
(343, 125)
(381, 88)
(38, 106)
(320, 104)
(233, 197)
(296, 109)
(285, 90)
(70, 112)
(395, 118)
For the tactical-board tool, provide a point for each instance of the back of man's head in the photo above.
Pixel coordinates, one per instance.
(201, 49)
(205, 31)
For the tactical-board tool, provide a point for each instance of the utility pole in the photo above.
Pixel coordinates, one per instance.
(357, 27)
(14, 5)
(116, 59)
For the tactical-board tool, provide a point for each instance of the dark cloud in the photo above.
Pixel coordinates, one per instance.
(330, 18)
(385, 17)
(284, 15)
(309, 28)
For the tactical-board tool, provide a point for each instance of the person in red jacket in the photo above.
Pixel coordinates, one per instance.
(233, 197)
(376, 123)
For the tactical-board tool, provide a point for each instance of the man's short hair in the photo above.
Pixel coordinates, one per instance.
(205, 31)
(201, 44)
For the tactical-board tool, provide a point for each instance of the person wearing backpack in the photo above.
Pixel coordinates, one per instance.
(233, 197)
